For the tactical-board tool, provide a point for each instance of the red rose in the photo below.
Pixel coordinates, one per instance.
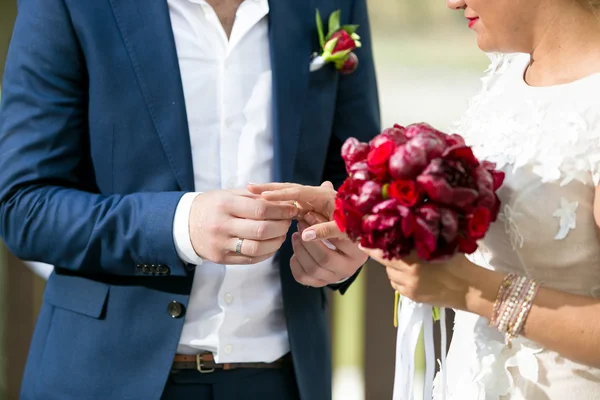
(344, 41)
(350, 65)
(405, 192)
(377, 160)
(354, 151)
(478, 223)
(450, 180)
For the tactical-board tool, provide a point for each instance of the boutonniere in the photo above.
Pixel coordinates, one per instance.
(337, 45)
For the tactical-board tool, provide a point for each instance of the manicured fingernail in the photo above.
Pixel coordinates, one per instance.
(329, 245)
(309, 235)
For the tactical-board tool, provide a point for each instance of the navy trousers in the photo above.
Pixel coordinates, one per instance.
(239, 384)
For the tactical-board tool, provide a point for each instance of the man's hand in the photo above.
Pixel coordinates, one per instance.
(218, 219)
(316, 264)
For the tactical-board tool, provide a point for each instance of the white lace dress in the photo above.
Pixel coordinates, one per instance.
(547, 141)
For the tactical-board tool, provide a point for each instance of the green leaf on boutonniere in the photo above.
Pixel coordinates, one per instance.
(320, 29)
(334, 22)
(350, 28)
(339, 56)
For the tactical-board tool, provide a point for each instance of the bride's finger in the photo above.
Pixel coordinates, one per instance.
(259, 188)
(322, 231)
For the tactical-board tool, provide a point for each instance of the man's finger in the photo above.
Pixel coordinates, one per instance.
(322, 231)
(256, 230)
(243, 207)
(255, 248)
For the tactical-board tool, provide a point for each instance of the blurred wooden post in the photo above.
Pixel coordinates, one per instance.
(348, 327)
(8, 11)
(381, 335)
(20, 289)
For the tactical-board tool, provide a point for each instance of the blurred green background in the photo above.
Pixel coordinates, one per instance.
(428, 66)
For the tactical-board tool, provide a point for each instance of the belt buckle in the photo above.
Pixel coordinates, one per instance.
(200, 365)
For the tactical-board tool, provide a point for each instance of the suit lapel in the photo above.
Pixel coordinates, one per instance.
(292, 31)
(146, 29)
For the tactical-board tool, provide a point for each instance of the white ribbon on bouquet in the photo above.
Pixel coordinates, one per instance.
(412, 317)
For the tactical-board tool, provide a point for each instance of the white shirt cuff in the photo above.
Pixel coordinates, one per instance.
(181, 230)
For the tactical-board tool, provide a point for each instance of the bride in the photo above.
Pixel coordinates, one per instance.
(536, 275)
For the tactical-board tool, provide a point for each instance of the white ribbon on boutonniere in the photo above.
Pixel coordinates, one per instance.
(337, 46)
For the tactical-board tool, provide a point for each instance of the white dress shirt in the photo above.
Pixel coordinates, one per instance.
(235, 312)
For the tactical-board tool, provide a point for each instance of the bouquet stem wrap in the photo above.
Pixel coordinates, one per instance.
(412, 317)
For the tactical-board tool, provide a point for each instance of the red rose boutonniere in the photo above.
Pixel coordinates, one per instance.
(337, 45)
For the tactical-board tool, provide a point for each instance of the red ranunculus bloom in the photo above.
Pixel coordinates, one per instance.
(378, 158)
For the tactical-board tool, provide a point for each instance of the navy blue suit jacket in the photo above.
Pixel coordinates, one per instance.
(94, 157)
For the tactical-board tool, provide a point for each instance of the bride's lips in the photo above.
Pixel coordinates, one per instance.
(473, 21)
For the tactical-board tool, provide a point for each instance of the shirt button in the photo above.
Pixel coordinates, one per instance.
(228, 349)
(228, 298)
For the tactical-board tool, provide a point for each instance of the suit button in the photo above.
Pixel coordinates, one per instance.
(176, 309)
(164, 270)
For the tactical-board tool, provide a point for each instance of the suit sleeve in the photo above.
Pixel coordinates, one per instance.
(357, 110)
(50, 209)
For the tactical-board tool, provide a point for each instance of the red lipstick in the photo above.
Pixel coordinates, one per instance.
(472, 21)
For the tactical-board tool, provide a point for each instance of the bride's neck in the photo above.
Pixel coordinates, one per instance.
(567, 50)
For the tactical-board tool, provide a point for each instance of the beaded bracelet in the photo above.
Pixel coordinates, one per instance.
(513, 304)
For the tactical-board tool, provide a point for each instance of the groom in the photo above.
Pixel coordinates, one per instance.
(127, 129)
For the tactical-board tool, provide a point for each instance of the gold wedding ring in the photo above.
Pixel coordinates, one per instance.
(238, 246)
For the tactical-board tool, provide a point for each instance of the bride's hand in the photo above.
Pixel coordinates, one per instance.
(309, 200)
(442, 284)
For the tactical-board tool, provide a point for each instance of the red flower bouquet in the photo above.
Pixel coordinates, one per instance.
(417, 189)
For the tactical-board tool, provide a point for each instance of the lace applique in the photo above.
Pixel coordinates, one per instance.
(508, 216)
(560, 145)
(567, 214)
(489, 377)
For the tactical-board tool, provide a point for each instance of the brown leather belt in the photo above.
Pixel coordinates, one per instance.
(205, 363)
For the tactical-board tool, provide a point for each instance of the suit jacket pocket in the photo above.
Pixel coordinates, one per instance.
(77, 294)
